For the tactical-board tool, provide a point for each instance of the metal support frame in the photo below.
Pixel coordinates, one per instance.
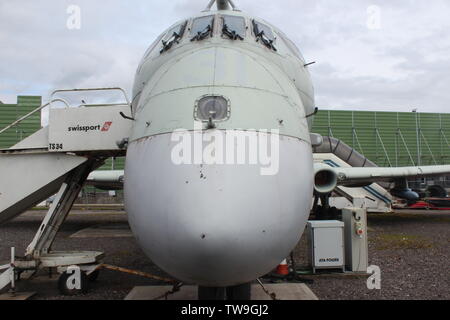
(357, 141)
(9, 276)
(446, 141)
(399, 132)
(444, 138)
(330, 131)
(418, 129)
(442, 141)
(355, 136)
(383, 146)
(378, 137)
(428, 147)
(58, 211)
(38, 253)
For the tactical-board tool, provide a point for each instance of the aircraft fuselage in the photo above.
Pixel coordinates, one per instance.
(224, 215)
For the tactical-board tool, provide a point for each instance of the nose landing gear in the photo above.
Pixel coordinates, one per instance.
(236, 293)
(324, 211)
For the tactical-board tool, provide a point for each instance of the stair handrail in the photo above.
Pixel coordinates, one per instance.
(49, 104)
(15, 123)
(128, 103)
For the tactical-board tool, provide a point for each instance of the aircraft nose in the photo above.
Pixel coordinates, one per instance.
(216, 225)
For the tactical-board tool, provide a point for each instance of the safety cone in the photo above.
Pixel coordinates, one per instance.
(283, 268)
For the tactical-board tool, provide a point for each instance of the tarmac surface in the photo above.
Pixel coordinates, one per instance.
(412, 248)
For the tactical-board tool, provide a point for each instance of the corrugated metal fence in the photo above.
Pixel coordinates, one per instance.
(390, 138)
(12, 112)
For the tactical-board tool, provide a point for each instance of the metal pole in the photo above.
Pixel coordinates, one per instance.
(418, 140)
(440, 139)
(353, 130)
(209, 6)
(223, 5)
(13, 272)
(232, 5)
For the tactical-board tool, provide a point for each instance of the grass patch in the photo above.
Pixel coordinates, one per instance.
(388, 241)
(429, 216)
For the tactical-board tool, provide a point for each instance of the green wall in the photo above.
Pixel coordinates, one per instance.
(116, 164)
(390, 138)
(11, 112)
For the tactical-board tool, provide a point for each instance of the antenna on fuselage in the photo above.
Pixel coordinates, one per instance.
(222, 5)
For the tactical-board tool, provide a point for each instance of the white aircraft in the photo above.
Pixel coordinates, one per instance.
(222, 217)
(222, 225)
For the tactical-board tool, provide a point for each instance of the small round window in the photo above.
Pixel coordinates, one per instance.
(215, 108)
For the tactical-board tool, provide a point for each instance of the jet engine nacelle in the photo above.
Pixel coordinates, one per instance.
(405, 194)
(325, 179)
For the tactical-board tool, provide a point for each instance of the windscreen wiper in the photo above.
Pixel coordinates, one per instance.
(232, 34)
(265, 40)
(202, 34)
(169, 43)
(261, 35)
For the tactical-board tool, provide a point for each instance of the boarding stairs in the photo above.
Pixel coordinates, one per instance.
(57, 160)
(375, 197)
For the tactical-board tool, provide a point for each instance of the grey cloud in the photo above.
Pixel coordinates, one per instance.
(404, 63)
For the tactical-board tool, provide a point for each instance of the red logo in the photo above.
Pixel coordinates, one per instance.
(106, 126)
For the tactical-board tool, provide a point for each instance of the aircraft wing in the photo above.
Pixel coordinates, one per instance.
(364, 176)
(348, 177)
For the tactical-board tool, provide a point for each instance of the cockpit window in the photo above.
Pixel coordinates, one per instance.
(173, 36)
(202, 28)
(233, 27)
(264, 34)
(150, 50)
(291, 45)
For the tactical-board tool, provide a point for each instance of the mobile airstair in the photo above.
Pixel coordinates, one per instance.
(336, 153)
(57, 160)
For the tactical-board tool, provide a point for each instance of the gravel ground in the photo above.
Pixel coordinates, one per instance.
(411, 248)
(122, 252)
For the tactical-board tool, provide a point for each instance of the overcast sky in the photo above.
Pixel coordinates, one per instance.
(371, 55)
